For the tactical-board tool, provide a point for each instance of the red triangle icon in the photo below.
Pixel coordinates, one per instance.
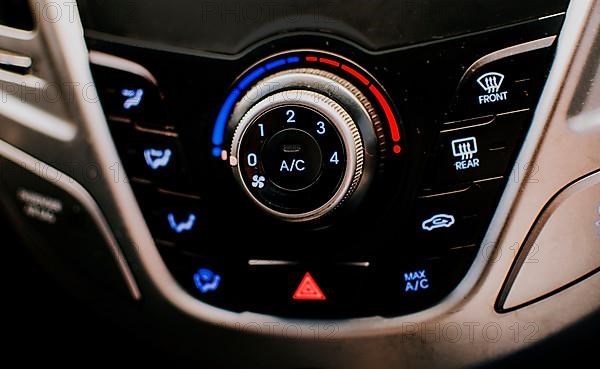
(308, 290)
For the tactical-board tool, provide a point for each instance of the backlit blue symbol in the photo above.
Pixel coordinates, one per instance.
(180, 227)
(206, 280)
(258, 181)
(134, 97)
(157, 158)
(416, 281)
(438, 221)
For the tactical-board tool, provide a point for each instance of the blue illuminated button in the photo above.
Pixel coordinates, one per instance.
(403, 286)
(178, 220)
(455, 219)
(415, 281)
(292, 159)
(185, 225)
(206, 280)
(157, 158)
(130, 98)
(175, 220)
(438, 221)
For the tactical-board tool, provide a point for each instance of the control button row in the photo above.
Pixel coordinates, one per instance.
(325, 290)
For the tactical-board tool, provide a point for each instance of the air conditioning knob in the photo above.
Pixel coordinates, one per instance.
(303, 144)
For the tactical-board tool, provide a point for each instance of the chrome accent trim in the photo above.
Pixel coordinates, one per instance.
(362, 264)
(260, 262)
(70, 186)
(115, 62)
(509, 51)
(504, 302)
(14, 109)
(588, 121)
(16, 60)
(552, 15)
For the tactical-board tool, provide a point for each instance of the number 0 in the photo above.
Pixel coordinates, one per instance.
(252, 160)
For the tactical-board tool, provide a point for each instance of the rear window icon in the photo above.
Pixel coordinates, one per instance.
(438, 221)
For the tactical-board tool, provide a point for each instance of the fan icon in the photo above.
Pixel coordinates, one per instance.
(258, 181)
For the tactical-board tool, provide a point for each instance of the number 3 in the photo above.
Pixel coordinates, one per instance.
(321, 129)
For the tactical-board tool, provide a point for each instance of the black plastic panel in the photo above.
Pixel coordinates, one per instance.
(60, 228)
(413, 239)
(230, 26)
(16, 14)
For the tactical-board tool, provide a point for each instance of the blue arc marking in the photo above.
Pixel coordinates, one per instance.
(246, 81)
(220, 124)
(274, 64)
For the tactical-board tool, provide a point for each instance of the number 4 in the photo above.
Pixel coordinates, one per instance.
(334, 158)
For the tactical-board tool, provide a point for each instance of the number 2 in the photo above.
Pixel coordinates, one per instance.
(291, 116)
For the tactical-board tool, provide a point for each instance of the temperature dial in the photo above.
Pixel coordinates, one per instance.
(305, 147)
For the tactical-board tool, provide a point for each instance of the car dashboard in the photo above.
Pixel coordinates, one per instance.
(320, 184)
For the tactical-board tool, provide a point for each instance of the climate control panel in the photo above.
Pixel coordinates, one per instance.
(306, 141)
(308, 177)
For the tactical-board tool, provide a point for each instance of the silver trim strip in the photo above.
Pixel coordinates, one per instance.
(115, 62)
(509, 51)
(259, 262)
(362, 264)
(12, 59)
(14, 109)
(552, 15)
(74, 189)
(586, 122)
(580, 185)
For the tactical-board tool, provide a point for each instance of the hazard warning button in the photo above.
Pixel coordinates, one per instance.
(299, 290)
(308, 290)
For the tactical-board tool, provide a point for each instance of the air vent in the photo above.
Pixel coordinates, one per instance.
(16, 14)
